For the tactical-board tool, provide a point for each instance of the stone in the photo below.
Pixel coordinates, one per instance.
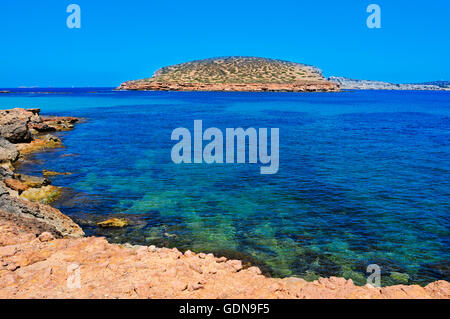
(254, 270)
(45, 194)
(114, 223)
(52, 173)
(39, 143)
(33, 181)
(189, 253)
(14, 125)
(15, 185)
(6, 173)
(236, 265)
(46, 236)
(8, 151)
(221, 259)
(42, 127)
(37, 216)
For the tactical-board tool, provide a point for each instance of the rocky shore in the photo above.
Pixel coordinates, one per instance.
(306, 86)
(44, 254)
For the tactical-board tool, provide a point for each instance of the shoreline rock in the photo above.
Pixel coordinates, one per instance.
(23, 196)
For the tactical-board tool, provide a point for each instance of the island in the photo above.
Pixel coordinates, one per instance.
(242, 74)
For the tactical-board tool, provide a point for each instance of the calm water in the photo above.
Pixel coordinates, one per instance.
(364, 178)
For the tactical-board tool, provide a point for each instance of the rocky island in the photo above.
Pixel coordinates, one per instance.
(44, 254)
(245, 74)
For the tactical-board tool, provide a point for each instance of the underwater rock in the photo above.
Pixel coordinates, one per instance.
(114, 223)
(399, 277)
(52, 173)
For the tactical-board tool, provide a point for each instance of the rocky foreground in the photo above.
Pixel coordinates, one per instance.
(242, 74)
(44, 254)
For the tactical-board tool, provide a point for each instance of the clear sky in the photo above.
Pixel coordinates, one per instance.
(123, 40)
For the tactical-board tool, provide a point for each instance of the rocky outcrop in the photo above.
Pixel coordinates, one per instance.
(14, 124)
(244, 74)
(55, 221)
(22, 196)
(352, 84)
(40, 266)
(39, 143)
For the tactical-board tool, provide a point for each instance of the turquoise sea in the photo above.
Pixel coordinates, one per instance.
(364, 178)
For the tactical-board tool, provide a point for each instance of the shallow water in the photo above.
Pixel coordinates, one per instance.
(364, 178)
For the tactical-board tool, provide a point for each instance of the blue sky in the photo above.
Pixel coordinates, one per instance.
(123, 40)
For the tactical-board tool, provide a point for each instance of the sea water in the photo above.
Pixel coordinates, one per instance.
(364, 178)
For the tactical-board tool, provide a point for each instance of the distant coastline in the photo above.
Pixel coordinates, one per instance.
(353, 84)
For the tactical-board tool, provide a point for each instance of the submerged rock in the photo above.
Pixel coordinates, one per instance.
(114, 223)
(399, 277)
(52, 173)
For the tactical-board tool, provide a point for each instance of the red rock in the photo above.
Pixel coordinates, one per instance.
(46, 236)
(236, 265)
(254, 270)
(15, 185)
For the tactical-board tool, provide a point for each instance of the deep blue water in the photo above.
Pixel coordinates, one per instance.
(364, 178)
